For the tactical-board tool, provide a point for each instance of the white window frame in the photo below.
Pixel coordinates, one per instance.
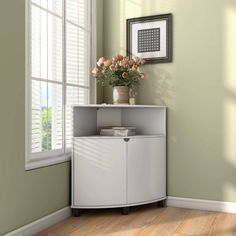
(43, 159)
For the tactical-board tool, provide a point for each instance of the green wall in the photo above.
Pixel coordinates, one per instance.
(24, 195)
(199, 88)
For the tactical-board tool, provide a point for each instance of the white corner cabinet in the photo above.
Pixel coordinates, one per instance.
(109, 171)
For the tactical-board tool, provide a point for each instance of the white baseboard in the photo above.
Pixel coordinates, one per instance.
(42, 224)
(191, 203)
(207, 205)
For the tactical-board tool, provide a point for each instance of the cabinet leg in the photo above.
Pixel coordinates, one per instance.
(76, 212)
(125, 210)
(156, 204)
(161, 203)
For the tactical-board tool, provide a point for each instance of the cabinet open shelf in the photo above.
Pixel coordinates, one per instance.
(148, 120)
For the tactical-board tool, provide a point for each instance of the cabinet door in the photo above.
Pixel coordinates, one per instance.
(99, 172)
(146, 169)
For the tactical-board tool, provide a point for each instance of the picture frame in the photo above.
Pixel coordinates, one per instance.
(150, 37)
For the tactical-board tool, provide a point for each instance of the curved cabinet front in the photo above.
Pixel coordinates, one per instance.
(146, 174)
(99, 172)
(113, 172)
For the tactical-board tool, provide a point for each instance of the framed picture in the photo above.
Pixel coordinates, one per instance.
(150, 38)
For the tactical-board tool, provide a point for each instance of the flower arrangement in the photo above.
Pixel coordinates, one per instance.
(119, 71)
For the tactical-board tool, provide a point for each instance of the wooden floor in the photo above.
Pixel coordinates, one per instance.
(146, 220)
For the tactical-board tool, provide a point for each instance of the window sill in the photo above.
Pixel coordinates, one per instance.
(39, 163)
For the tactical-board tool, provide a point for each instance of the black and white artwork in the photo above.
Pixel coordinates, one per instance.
(150, 37)
(149, 40)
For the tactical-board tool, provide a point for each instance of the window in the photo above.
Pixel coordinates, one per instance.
(58, 75)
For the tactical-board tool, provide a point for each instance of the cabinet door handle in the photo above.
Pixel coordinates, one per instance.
(126, 139)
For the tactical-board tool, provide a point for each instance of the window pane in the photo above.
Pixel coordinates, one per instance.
(77, 56)
(74, 96)
(55, 105)
(46, 116)
(42, 3)
(49, 130)
(77, 12)
(55, 45)
(54, 6)
(36, 1)
(36, 117)
(46, 45)
(38, 43)
(83, 96)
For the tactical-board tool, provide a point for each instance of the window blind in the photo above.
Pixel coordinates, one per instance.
(60, 51)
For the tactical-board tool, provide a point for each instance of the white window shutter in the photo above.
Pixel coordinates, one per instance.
(36, 122)
(60, 50)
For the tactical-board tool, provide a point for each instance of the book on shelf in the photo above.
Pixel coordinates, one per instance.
(118, 131)
(123, 128)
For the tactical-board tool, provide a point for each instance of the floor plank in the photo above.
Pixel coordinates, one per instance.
(146, 221)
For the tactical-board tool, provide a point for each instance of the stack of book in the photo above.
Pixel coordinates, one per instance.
(118, 131)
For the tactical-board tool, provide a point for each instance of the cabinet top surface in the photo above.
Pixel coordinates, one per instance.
(118, 106)
(120, 137)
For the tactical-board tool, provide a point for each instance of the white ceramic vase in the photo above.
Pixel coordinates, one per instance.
(120, 95)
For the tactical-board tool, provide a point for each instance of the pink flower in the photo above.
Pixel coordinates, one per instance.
(125, 63)
(95, 72)
(139, 61)
(107, 63)
(112, 67)
(126, 69)
(143, 77)
(142, 61)
(119, 57)
(101, 61)
(125, 75)
(131, 62)
(134, 68)
(114, 59)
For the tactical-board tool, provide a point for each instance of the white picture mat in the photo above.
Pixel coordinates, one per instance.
(149, 25)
